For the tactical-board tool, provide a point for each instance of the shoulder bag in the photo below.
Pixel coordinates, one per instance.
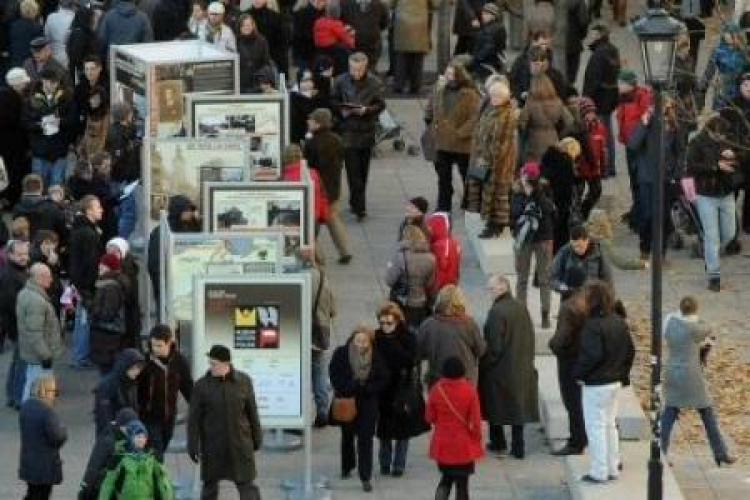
(343, 410)
(400, 290)
(321, 334)
(466, 423)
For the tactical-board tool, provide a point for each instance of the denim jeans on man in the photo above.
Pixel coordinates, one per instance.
(708, 416)
(51, 171)
(33, 370)
(16, 379)
(719, 223)
(320, 382)
(81, 332)
(394, 462)
(599, 416)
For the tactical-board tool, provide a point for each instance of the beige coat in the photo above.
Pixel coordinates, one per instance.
(454, 128)
(411, 24)
(541, 123)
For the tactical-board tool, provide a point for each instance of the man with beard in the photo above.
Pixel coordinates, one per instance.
(12, 280)
(183, 217)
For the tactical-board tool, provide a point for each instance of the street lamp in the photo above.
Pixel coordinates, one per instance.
(657, 32)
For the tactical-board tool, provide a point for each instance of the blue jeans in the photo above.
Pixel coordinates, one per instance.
(719, 223)
(387, 451)
(32, 372)
(320, 382)
(81, 332)
(52, 172)
(16, 379)
(708, 416)
(128, 216)
(609, 166)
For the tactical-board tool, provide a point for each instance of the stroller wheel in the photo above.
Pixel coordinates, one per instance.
(412, 151)
(399, 144)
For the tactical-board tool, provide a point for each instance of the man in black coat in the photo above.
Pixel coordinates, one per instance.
(12, 279)
(565, 345)
(577, 12)
(85, 244)
(535, 60)
(600, 84)
(357, 97)
(466, 21)
(303, 47)
(581, 252)
(166, 373)
(489, 49)
(14, 140)
(270, 24)
(41, 212)
(105, 445)
(119, 389)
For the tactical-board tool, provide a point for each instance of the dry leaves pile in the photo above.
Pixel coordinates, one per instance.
(728, 375)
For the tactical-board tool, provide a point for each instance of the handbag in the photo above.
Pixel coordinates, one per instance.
(427, 142)
(321, 334)
(460, 417)
(343, 410)
(400, 290)
(479, 171)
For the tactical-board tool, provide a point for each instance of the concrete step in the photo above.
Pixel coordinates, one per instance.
(633, 480)
(631, 419)
(495, 255)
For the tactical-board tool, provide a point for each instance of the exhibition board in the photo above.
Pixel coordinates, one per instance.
(265, 321)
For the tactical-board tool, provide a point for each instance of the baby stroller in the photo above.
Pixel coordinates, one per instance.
(388, 129)
(684, 216)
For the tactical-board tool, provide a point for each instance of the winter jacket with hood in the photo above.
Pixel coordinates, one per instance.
(42, 213)
(329, 32)
(116, 391)
(293, 172)
(606, 351)
(85, 244)
(123, 24)
(456, 421)
(60, 104)
(600, 76)
(324, 152)
(39, 337)
(158, 385)
(414, 260)
(593, 263)
(630, 110)
(446, 250)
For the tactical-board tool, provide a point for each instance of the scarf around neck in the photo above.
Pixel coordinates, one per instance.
(360, 363)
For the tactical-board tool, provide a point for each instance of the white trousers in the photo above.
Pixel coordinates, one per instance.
(600, 414)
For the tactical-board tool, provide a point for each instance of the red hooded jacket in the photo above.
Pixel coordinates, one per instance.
(293, 172)
(328, 32)
(446, 249)
(630, 111)
(456, 422)
(592, 167)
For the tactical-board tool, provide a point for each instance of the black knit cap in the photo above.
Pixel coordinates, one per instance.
(453, 368)
(220, 353)
(421, 204)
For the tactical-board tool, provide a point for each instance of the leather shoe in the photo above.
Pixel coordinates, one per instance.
(567, 450)
(592, 480)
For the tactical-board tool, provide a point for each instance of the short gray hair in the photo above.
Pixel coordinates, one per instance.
(502, 282)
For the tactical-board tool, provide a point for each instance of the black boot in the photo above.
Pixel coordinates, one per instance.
(491, 231)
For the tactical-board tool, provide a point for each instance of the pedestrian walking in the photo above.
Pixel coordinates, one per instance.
(689, 341)
(42, 436)
(225, 452)
(359, 373)
(397, 345)
(165, 375)
(581, 252)
(107, 313)
(13, 276)
(507, 377)
(411, 42)
(39, 337)
(357, 99)
(450, 331)
(119, 389)
(456, 443)
(604, 361)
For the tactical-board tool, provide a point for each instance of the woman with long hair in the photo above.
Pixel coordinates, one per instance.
(544, 119)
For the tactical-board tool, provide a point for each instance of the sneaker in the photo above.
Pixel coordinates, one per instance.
(345, 259)
(366, 486)
(397, 473)
(714, 284)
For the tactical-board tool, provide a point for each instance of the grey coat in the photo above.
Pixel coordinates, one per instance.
(684, 384)
(415, 261)
(507, 378)
(39, 336)
(440, 337)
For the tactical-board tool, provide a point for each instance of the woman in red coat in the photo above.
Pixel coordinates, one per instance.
(453, 411)
(446, 249)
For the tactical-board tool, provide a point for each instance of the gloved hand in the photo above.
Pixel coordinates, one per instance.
(195, 457)
(47, 364)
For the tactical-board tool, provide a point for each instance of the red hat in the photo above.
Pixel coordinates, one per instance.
(531, 170)
(110, 261)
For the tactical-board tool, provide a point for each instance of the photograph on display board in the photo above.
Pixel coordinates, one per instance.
(130, 86)
(215, 254)
(172, 82)
(258, 119)
(182, 166)
(262, 323)
(260, 207)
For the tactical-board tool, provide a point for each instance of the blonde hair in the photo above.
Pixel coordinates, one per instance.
(570, 146)
(451, 301)
(413, 234)
(366, 329)
(599, 225)
(291, 154)
(42, 384)
(20, 228)
(29, 9)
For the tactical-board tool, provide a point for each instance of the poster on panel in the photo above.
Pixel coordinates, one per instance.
(265, 322)
(258, 119)
(192, 255)
(182, 166)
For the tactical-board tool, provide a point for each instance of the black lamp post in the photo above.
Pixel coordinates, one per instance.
(657, 32)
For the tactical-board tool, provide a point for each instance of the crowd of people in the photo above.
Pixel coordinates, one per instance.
(532, 150)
